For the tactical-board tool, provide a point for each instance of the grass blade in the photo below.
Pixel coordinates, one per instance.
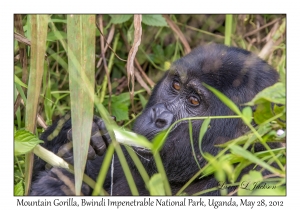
(203, 130)
(228, 29)
(39, 24)
(81, 59)
(224, 99)
(249, 156)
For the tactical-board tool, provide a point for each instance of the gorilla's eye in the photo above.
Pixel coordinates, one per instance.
(194, 101)
(176, 85)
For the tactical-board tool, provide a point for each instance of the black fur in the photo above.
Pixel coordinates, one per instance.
(237, 73)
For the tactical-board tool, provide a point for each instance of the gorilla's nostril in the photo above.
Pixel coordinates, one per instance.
(160, 123)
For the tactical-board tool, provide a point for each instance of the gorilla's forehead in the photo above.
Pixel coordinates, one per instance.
(215, 62)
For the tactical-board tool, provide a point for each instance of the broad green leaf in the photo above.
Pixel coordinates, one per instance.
(120, 111)
(263, 112)
(119, 106)
(158, 54)
(19, 189)
(275, 94)
(247, 113)
(224, 99)
(278, 110)
(156, 185)
(117, 19)
(154, 20)
(248, 182)
(25, 142)
(81, 65)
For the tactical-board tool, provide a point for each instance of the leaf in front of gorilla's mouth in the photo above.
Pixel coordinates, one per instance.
(131, 138)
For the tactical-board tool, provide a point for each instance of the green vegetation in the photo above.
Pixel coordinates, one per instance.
(95, 68)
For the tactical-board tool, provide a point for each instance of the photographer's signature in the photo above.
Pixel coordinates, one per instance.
(249, 185)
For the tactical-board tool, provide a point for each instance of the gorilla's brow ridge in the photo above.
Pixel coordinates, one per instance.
(180, 69)
(195, 86)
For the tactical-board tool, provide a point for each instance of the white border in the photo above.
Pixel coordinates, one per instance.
(8, 8)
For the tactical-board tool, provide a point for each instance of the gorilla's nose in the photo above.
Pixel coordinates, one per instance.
(161, 116)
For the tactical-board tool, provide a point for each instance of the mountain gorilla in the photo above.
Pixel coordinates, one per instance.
(237, 73)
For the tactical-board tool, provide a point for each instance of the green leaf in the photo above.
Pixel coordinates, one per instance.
(249, 156)
(19, 189)
(117, 19)
(154, 20)
(156, 185)
(59, 20)
(120, 111)
(159, 140)
(19, 82)
(20, 90)
(38, 29)
(158, 54)
(203, 130)
(275, 94)
(142, 100)
(249, 137)
(248, 181)
(224, 99)
(254, 179)
(56, 35)
(192, 143)
(119, 106)
(131, 138)
(81, 65)
(263, 112)
(278, 110)
(25, 142)
(50, 157)
(247, 113)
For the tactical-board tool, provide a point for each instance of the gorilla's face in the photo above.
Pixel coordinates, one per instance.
(181, 94)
